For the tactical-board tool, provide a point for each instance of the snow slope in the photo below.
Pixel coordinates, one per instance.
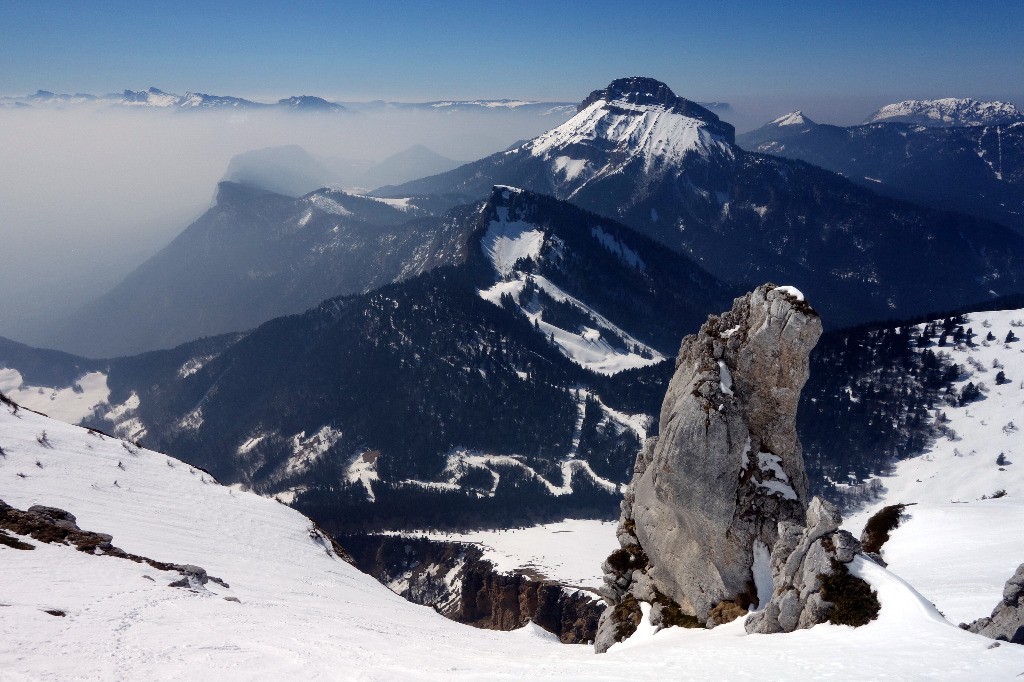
(569, 552)
(66, 404)
(305, 614)
(613, 133)
(958, 548)
(795, 118)
(605, 347)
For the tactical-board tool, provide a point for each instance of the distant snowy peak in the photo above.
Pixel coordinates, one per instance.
(795, 118)
(643, 92)
(633, 118)
(948, 112)
(309, 103)
(199, 100)
(148, 98)
(191, 100)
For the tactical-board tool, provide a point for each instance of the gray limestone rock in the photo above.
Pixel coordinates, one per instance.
(1007, 620)
(192, 577)
(726, 469)
(801, 558)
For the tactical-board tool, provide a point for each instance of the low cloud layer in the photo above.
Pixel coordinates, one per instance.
(87, 194)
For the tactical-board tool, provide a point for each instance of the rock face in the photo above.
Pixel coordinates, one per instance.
(809, 574)
(1007, 620)
(711, 491)
(458, 583)
(56, 526)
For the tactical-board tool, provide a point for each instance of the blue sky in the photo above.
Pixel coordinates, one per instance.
(420, 50)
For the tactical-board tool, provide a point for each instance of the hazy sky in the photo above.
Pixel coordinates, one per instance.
(868, 50)
(86, 195)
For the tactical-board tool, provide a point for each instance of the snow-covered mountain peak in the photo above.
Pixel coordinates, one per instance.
(148, 98)
(310, 103)
(632, 119)
(640, 90)
(947, 112)
(795, 118)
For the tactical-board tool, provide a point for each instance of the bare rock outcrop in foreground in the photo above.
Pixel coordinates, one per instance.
(1007, 620)
(703, 509)
(811, 581)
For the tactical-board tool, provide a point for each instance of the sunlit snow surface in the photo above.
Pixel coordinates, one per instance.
(795, 118)
(569, 552)
(64, 404)
(304, 614)
(649, 132)
(599, 348)
(957, 549)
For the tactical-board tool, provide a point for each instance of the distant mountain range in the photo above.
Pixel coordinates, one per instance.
(500, 351)
(256, 255)
(948, 112)
(156, 98)
(293, 171)
(497, 387)
(669, 168)
(975, 168)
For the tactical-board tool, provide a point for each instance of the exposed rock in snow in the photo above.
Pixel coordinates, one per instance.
(725, 471)
(1007, 620)
(805, 562)
(53, 525)
(287, 577)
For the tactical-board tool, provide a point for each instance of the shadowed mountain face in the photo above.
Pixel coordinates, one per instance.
(668, 168)
(497, 388)
(977, 170)
(293, 171)
(257, 255)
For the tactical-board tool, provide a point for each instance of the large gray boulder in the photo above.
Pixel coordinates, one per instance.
(725, 471)
(1007, 620)
(811, 583)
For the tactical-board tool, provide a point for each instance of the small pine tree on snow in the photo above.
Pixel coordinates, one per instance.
(1001, 378)
(969, 393)
(1010, 337)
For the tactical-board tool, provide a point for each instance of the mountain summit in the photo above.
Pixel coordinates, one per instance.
(633, 119)
(640, 91)
(669, 168)
(948, 112)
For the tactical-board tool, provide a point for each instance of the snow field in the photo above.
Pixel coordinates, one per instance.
(956, 548)
(64, 404)
(569, 552)
(304, 613)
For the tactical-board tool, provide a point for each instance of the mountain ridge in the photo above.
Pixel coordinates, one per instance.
(745, 217)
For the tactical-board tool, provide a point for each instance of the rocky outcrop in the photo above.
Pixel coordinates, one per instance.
(458, 583)
(57, 526)
(811, 582)
(1007, 620)
(725, 471)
